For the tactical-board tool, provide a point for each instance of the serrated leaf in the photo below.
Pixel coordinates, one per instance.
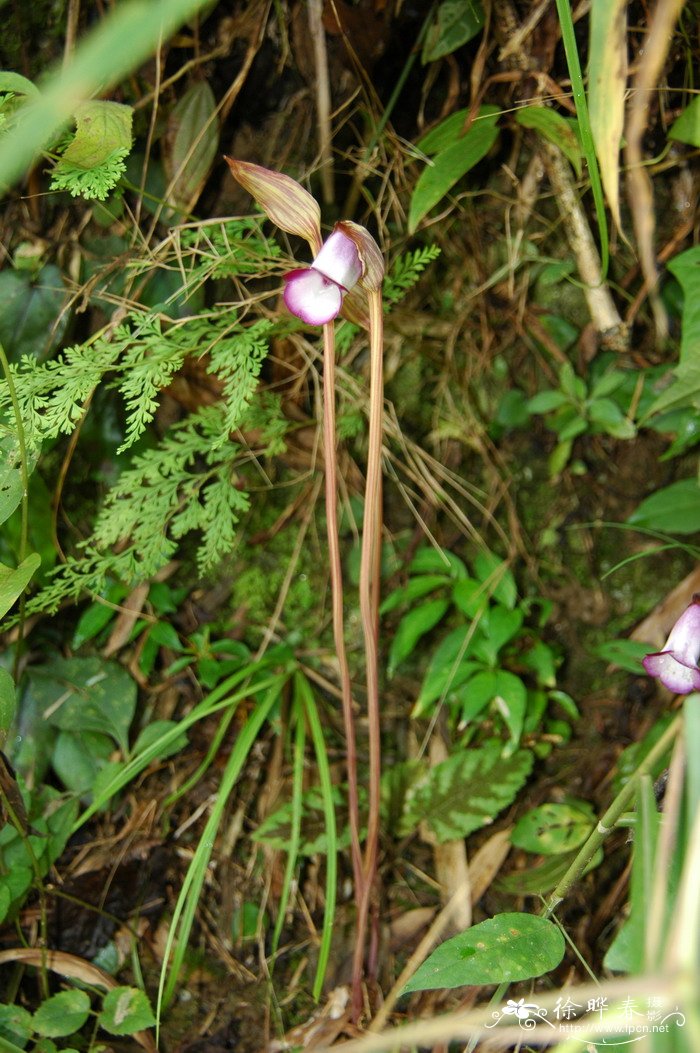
(468, 790)
(412, 627)
(607, 84)
(14, 580)
(126, 1010)
(555, 128)
(452, 163)
(686, 127)
(62, 1014)
(554, 828)
(455, 23)
(192, 142)
(674, 509)
(503, 949)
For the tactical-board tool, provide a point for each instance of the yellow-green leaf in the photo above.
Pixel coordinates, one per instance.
(607, 82)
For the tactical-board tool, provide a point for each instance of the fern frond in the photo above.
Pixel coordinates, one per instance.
(406, 271)
(90, 183)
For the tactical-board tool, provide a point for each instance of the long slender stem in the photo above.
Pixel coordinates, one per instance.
(331, 473)
(369, 610)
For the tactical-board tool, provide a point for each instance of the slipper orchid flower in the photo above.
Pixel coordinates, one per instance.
(676, 665)
(349, 256)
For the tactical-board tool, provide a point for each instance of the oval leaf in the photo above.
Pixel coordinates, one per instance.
(14, 580)
(675, 509)
(554, 828)
(503, 949)
(412, 626)
(62, 1014)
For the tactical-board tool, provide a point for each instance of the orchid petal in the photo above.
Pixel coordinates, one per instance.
(284, 200)
(676, 664)
(369, 252)
(339, 260)
(312, 297)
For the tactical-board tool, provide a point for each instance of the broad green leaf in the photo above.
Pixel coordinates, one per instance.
(674, 509)
(542, 661)
(455, 22)
(497, 576)
(32, 320)
(496, 628)
(125, 1010)
(686, 268)
(153, 732)
(412, 626)
(607, 84)
(559, 458)
(449, 667)
(15, 1024)
(555, 128)
(510, 701)
(77, 758)
(546, 401)
(468, 790)
(191, 144)
(538, 880)
(503, 949)
(14, 580)
(8, 703)
(443, 134)
(607, 383)
(452, 163)
(11, 491)
(437, 561)
(62, 1014)
(276, 829)
(607, 415)
(476, 694)
(414, 589)
(86, 694)
(552, 829)
(100, 129)
(5, 901)
(16, 83)
(470, 596)
(686, 127)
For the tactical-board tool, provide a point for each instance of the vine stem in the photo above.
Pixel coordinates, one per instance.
(370, 565)
(336, 572)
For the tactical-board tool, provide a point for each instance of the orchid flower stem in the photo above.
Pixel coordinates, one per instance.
(331, 474)
(369, 611)
(608, 822)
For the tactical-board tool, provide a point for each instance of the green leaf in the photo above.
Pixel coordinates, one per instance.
(552, 829)
(607, 84)
(16, 83)
(559, 458)
(608, 416)
(448, 669)
(686, 268)
(452, 163)
(456, 22)
(437, 561)
(468, 790)
(470, 596)
(86, 694)
(101, 128)
(503, 949)
(414, 589)
(276, 829)
(686, 127)
(191, 144)
(556, 129)
(674, 509)
(11, 491)
(15, 1024)
(496, 628)
(77, 758)
(14, 580)
(542, 661)
(126, 1010)
(626, 654)
(62, 1014)
(8, 703)
(546, 401)
(412, 626)
(496, 575)
(32, 320)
